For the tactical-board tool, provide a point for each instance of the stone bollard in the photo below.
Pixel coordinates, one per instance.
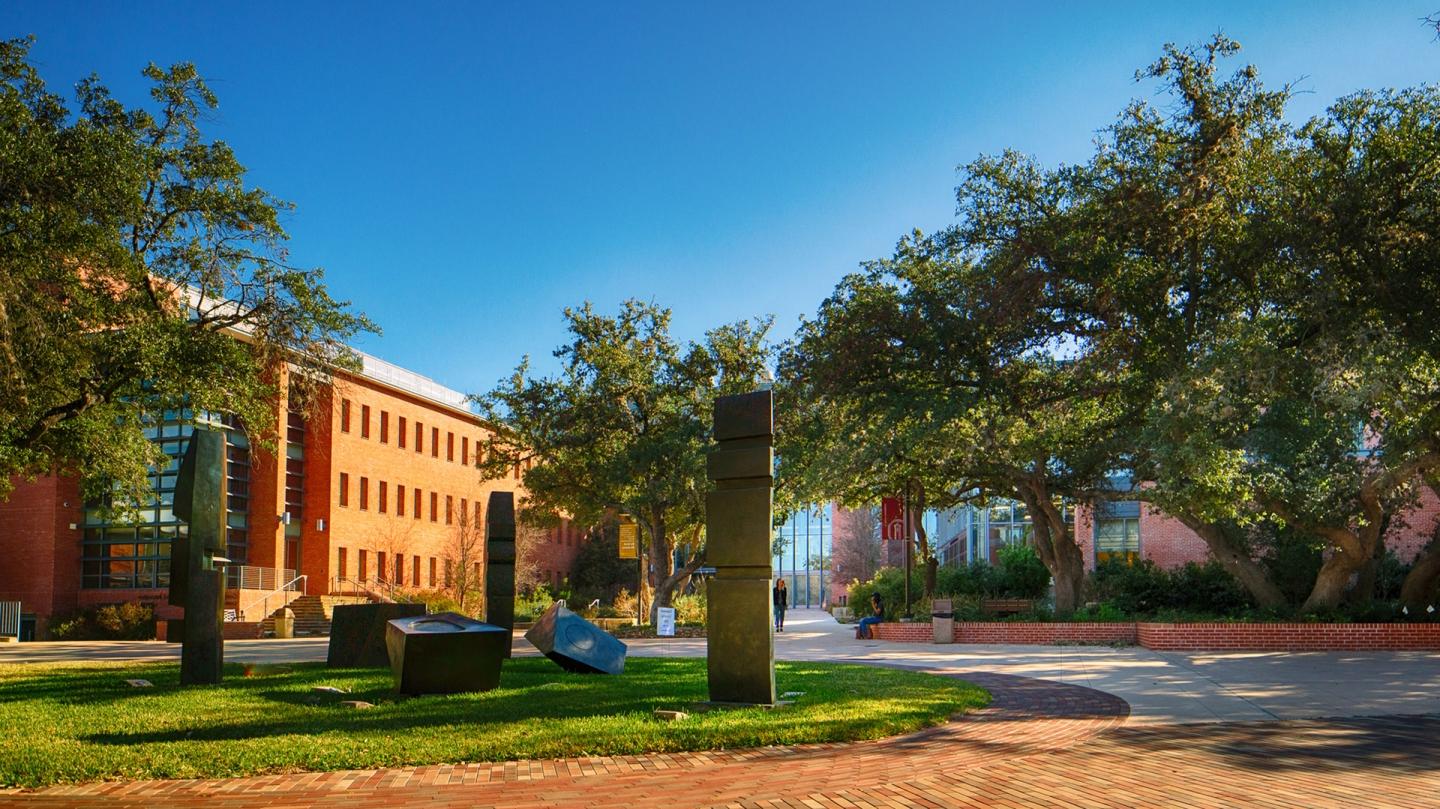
(285, 624)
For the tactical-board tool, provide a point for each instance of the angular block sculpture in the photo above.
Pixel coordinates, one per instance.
(740, 647)
(197, 576)
(445, 653)
(575, 644)
(357, 633)
(500, 562)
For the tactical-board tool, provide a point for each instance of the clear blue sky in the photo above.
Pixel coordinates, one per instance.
(464, 170)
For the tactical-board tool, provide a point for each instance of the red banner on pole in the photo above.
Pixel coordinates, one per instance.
(892, 518)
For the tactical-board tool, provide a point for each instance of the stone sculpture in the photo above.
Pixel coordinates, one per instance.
(740, 646)
(500, 563)
(445, 653)
(575, 644)
(357, 633)
(197, 561)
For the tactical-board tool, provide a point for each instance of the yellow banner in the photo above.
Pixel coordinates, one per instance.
(629, 541)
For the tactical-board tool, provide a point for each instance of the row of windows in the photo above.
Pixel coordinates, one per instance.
(402, 431)
(1009, 523)
(137, 553)
(416, 497)
(392, 568)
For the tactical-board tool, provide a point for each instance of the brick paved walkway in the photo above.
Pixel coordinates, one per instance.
(1040, 743)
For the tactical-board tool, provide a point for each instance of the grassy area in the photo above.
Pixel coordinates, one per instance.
(66, 723)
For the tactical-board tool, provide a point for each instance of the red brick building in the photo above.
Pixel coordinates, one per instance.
(369, 490)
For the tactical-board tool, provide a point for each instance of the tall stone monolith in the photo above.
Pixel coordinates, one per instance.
(740, 646)
(500, 563)
(197, 580)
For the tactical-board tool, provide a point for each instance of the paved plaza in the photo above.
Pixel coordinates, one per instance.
(1069, 726)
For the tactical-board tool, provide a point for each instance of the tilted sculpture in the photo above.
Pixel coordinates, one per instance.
(575, 644)
(740, 647)
(500, 563)
(197, 580)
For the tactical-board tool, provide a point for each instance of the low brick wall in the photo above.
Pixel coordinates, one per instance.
(241, 630)
(1014, 632)
(1289, 637)
(1043, 633)
(1185, 637)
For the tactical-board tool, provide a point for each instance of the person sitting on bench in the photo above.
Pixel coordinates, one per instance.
(878, 607)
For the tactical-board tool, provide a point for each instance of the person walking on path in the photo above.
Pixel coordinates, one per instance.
(781, 598)
(877, 606)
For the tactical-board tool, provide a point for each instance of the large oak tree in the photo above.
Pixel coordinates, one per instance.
(138, 272)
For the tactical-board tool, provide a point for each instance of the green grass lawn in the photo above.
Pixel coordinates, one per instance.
(66, 723)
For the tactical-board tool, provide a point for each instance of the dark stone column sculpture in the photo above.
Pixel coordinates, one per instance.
(740, 646)
(500, 563)
(197, 579)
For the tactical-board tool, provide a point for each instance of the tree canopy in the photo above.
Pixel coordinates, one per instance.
(1234, 309)
(138, 273)
(625, 426)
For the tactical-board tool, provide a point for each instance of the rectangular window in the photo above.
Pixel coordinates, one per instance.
(400, 433)
(340, 563)
(344, 415)
(432, 572)
(464, 510)
(479, 456)
(450, 447)
(364, 421)
(465, 450)
(449, 573)
(415, 570)
(384, 427)
(419, 437)
(434, 505)
(380, 571)
(435, 442)
(364, 564)
(477, 513)
(400, 568)
(344, 489)
(417, 502)
(384, 500)
(517, 471)
(1117, 539)
(449, 509)
(364, 493)
(399, 500)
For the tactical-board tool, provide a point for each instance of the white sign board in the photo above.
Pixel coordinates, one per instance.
(665, 623)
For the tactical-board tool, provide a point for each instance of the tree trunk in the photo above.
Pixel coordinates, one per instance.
(1332, 582)
(661, 570)
(1418, 591)
(1055, 546)
(1364, 590)
(1228, 552)
(922, 540)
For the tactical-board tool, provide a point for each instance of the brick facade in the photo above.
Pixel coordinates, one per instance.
(439, 462)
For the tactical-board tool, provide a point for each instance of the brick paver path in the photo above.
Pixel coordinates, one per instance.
(1039, 744)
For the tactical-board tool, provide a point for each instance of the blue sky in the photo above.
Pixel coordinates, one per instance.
(465, 170)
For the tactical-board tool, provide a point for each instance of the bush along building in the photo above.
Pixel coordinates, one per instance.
(372, 492)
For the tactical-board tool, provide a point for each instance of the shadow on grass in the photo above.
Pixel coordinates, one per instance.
(837, 706)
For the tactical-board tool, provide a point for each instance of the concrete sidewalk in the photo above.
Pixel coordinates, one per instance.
(1161, 687)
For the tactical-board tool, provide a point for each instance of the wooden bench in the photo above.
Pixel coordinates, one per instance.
(1006, 606)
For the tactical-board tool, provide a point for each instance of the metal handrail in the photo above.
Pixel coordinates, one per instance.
(284, 588)
(379, 588)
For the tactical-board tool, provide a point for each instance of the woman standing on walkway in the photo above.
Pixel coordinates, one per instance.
(781, 598)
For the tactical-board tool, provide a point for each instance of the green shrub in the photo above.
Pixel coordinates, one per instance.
(128, 621)
(690, 609)
(976, 579)
(529, 607)
(890, 583)
(438, 601)
(1144, 589)
(1022, 574)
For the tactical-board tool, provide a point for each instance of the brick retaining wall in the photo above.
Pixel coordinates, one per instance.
(1184, 637)
(1289, 637)
(1015, 632)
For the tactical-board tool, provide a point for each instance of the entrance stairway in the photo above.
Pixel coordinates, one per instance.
(312, 615)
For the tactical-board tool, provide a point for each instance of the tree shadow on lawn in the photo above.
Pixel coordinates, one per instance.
(532, 692)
